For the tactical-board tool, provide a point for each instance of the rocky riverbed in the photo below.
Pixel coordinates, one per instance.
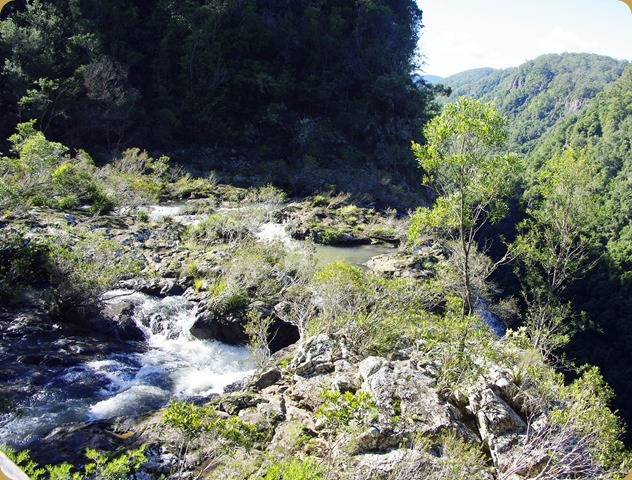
(155, 339)
(349, 374)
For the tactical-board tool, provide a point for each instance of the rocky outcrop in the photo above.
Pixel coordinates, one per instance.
(397, 265)
(285, 400)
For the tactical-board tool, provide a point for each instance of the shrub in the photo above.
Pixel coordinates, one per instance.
(81, 270)
(202, 426)
(340, 288)
(20, 261)
(295, 469)
(257, 328)
(44, 175)
(445, 457)
(329, 236)
(103, 466)
(267, 194)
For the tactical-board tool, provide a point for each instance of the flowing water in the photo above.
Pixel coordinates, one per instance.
(170, 364)
(126, 378)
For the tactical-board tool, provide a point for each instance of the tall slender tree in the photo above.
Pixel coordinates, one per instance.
(470, 181)
(554, 244)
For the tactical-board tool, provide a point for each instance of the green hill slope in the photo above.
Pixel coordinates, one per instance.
(540, 93)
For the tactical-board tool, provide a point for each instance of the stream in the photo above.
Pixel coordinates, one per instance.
(125, 378)
(57, 377)
(50, 378)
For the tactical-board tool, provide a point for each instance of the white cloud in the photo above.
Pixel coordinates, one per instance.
(560, 40)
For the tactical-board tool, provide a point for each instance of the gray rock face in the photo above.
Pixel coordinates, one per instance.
(500, 427)
(394, 265)
(316, 356)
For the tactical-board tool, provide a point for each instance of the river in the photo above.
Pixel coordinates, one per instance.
(90, 379)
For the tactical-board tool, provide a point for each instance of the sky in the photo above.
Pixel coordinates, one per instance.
(462, 34)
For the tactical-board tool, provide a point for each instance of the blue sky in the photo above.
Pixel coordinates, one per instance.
(463, 34)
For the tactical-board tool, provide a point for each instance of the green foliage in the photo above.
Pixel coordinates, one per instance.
(340, 410)
(554, 245)
(340, 288)
(103, 466)
(458, 458)
(585, 408)
(117, 468)
(145, 176)
(257, 328)
(23, 460)
(461, 346)
(96, 76)
(342, 417)
(462, 167)
(232, 227)
(329, 236)
(20, 261)
(294, 469)
(268, 194)
(198, 422)
(82, 269)
(540, 94)
(44, 175)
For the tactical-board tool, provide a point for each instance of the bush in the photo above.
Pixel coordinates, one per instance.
(81, 270)
(102, 466)
(201, 426)
(340, 288)
(295, 469)
(44, 175)
(20, 261)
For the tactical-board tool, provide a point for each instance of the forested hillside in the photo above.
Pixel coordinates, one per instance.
(539, 93)
(604, 131)
(577, 106)
(307, 81)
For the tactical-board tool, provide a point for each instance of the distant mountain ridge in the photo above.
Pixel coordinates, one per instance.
(432, 78)
(539, 93)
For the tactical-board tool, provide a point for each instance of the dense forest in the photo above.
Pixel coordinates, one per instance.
(308, 82)
(521, 183)
(539, 93)
(580, 102)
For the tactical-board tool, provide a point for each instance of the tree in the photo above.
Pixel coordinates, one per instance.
(579, 437)
(554, 248)
(469, 179)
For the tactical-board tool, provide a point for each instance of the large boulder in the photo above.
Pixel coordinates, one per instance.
(224, 328)
(230, 328)
(397, 265)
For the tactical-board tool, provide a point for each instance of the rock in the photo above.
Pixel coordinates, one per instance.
(500, 427)
(69, 442)
(395, 265)
(266, 413)
(399, 389)
(142, 235)
(281, 335)
(47, 360)
(266, 379)
(383, 465)
(371, 365)
(128, 330)
(316, 356)
(171, 287)
(227, 329)
(234, 403)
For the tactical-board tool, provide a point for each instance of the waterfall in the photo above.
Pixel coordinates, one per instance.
(139, 376)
